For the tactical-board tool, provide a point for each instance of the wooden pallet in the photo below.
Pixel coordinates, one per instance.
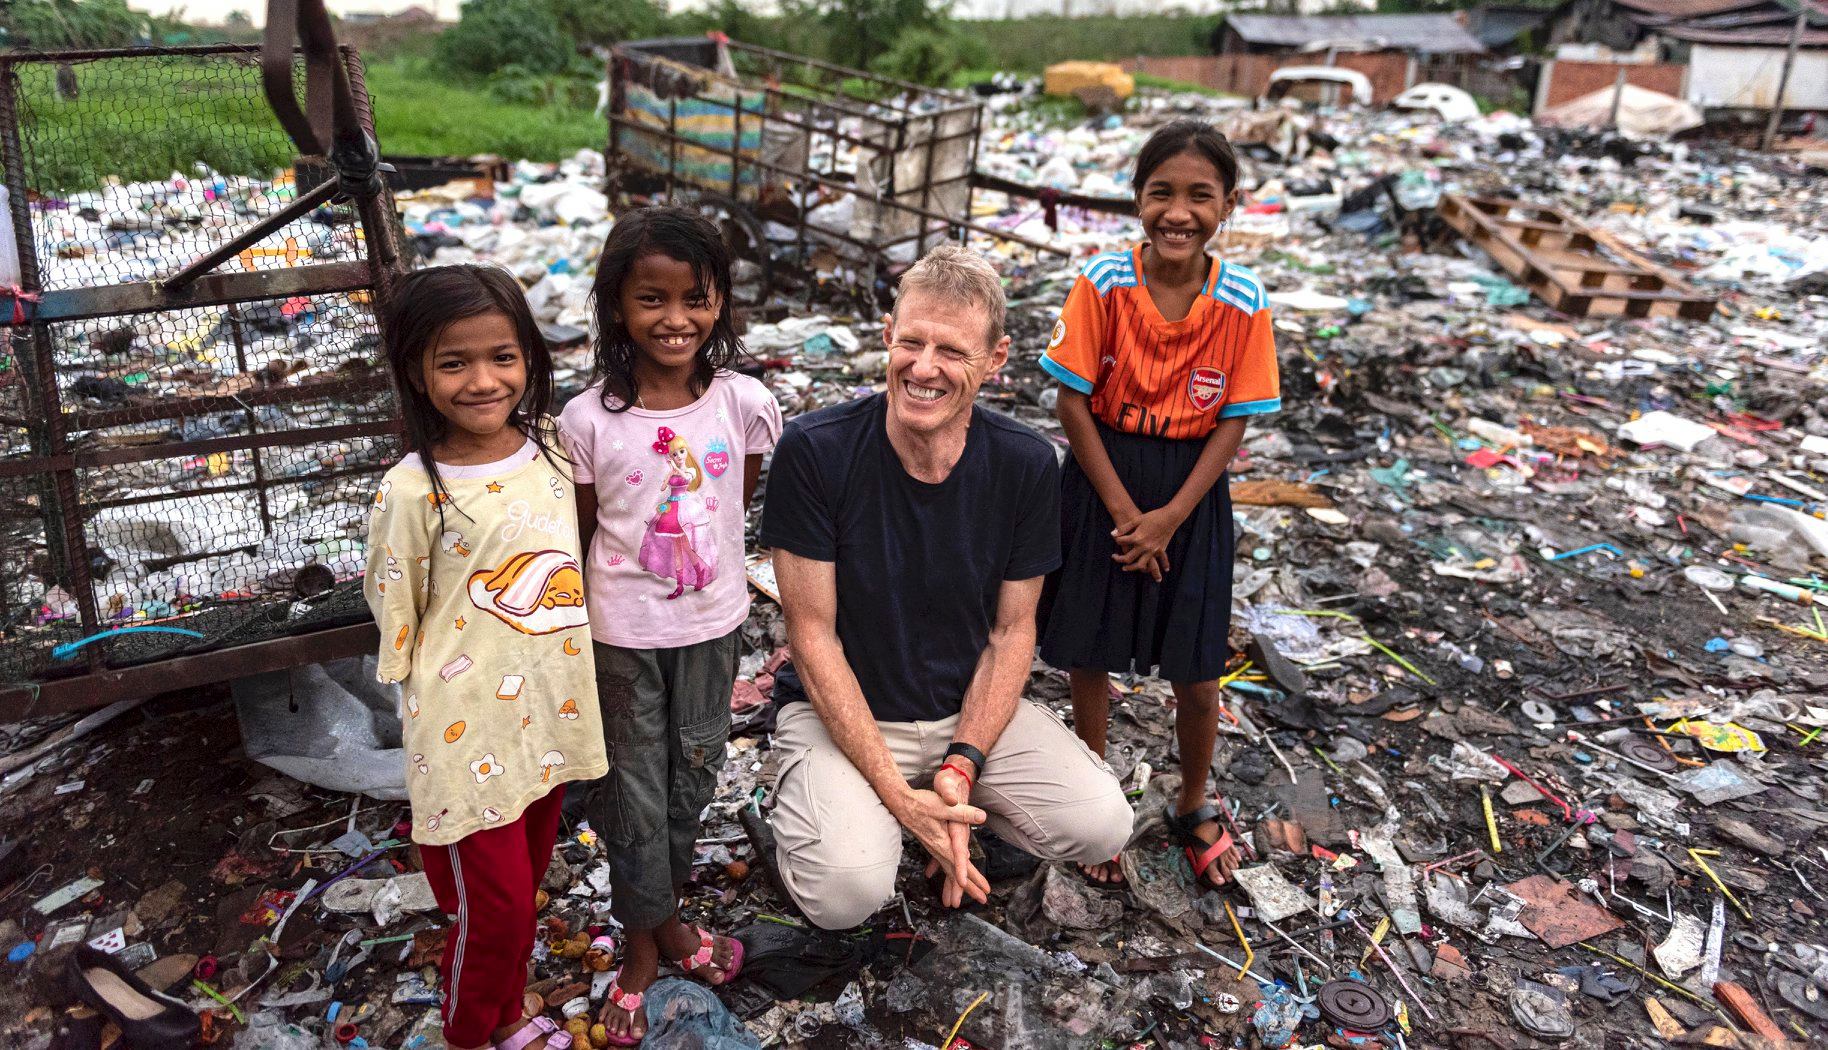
(1579, 271)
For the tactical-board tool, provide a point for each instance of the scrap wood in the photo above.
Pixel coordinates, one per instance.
(1570, 266)
(1746, 1008)
(1270, 492)
(1570, 441)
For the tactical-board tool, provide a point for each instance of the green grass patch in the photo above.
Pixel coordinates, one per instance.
(1145, 80)
(418, 112)
(144, 118)
(1032, 44)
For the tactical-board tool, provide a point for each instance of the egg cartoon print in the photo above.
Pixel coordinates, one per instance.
(424, 766)
(380, 495)
(568, 710)
(452, 543)
(534, 592)
(412, 704)
(486, 767)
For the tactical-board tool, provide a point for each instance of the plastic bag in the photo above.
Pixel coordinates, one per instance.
(330, 725)
(688, 1016)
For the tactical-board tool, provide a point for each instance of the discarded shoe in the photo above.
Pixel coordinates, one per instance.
(147, 1019)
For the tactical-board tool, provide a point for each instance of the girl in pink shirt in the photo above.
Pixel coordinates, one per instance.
(667, 446)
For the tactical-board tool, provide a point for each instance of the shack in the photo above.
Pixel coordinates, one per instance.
(1394, 51)
(1725, 56)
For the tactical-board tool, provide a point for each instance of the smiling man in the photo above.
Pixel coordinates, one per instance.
(911, 531)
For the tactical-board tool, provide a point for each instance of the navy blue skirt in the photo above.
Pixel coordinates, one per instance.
(1105, 619)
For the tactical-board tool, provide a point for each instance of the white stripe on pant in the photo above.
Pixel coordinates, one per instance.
(463, 935)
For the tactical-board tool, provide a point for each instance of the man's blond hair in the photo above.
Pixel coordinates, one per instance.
(957, 274)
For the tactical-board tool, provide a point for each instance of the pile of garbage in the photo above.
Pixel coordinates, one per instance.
(1526, 736)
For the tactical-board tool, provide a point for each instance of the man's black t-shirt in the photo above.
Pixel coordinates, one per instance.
(918, 565)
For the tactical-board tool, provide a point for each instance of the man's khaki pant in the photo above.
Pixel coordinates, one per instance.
(838, 847)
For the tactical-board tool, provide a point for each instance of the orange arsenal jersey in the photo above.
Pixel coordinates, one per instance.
(1172, 379)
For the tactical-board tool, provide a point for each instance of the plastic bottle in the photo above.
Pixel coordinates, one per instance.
(1782, 590)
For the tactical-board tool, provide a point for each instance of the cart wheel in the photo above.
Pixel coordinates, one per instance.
(752, 270)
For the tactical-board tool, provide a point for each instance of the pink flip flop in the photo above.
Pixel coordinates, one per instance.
(621, 1000)
(535, 1028)
(704, 955)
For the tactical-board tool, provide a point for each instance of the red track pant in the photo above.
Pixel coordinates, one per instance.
(487, 880)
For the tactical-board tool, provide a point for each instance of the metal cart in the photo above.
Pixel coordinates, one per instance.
(847, 173)
(193, 403)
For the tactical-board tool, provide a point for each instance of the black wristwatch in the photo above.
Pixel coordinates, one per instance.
(967, 751)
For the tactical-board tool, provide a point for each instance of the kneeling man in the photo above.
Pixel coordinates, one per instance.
(911, 532)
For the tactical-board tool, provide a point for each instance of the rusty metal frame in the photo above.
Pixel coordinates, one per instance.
(110, 684)
(340, 119)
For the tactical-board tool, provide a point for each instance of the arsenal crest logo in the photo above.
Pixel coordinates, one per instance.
(1205, 387)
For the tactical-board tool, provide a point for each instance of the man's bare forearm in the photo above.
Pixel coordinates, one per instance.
(831, 686)
(1002, 668)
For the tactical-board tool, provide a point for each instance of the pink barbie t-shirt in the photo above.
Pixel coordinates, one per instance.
(665, 568)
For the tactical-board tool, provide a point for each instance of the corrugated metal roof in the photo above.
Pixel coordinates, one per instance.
(1680, 9)
(1775, 38)
(1497, 25)
(1428, 33)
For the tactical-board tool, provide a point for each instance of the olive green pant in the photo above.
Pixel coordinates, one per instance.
(666, 716)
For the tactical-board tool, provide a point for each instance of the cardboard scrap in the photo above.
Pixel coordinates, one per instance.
(1270, 492)
(1557, 913)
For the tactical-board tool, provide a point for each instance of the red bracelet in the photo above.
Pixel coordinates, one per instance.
(970, 785)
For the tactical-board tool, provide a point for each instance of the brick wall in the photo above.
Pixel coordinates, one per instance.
(1248, 75)
(1565, 81)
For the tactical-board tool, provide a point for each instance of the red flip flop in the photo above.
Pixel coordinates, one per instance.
(1200, 853)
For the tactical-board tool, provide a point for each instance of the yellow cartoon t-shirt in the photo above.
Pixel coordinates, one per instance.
(483, 624)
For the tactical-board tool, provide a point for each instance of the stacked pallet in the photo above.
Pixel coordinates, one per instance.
(1579, 271)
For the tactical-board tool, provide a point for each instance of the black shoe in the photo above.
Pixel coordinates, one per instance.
(1004, 859)
(148, 1020)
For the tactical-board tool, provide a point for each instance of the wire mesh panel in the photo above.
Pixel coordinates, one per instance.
(871, 166)
(197, 459)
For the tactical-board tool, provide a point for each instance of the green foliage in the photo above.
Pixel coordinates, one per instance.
(517, 85)
(495, 34)
(931, 56)
(863, 30)
(47, 24)
(606, 22)
(800, 34)
(1029, 45)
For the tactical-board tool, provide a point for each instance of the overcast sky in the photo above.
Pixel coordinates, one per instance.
(214, 11)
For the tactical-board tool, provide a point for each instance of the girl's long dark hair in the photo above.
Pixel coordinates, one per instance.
(677, 233)
(423, 304)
